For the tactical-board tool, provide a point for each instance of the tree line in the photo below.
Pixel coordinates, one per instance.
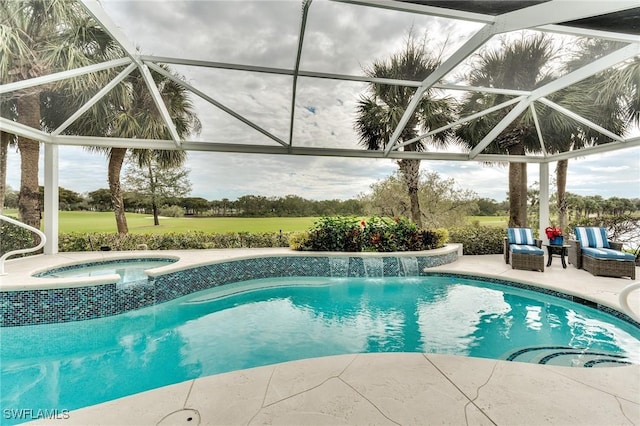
(445, 203)
(245, 206)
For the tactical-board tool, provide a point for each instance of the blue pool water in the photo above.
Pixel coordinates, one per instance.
(130, 270)
(70, 365)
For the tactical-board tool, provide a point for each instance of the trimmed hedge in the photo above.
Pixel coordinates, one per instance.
(171, 241)
(477, 240)
(13, 237)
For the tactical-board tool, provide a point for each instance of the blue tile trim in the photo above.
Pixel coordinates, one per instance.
(602, 308)
(30, 307)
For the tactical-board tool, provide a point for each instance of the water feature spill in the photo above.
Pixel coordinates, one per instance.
(410, 266)
(373, 266)
(339, 266)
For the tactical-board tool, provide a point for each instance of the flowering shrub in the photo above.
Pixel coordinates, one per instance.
(374, 234)
(335, 234)
(553, 232)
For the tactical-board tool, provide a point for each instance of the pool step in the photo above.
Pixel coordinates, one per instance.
(567, 356)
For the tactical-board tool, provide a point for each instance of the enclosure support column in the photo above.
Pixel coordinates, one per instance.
(51, 198)
(544, 200)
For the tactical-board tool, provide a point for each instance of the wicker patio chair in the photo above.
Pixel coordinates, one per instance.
(522, 250)
(600, 256)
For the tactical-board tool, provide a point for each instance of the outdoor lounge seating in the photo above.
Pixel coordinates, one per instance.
(593, 252)
(522, 250)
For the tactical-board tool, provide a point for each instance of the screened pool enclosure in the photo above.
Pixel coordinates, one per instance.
(256, 72)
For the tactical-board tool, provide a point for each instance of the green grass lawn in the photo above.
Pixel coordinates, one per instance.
(498, 221)
(143, 223)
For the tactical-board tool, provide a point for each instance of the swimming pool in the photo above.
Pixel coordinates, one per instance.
(259, 322)
(130, 270)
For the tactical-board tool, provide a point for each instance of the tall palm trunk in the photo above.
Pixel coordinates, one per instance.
(4, 149)
(116, 159)
(517, 189)
(410, 170)
(561, 181)
(154, 203)
(523, 218)
(29, 199)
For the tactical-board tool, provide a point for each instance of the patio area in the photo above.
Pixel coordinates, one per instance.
(395, 388)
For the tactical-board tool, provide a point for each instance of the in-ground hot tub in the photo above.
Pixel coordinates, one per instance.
(131, 271)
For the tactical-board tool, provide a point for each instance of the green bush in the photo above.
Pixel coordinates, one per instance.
(375, 234)
(299, 241)
(477, 240)
(434, 238)
(170, 241)
(336, 234)
(13, 237)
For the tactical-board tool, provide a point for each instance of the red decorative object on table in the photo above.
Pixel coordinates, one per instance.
(554, 235)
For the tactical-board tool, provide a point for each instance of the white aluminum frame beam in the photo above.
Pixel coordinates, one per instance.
(471, 45)
(217, 104)
(536, 122)
(584, 32)
(323, 75)
(62, 75)
(282, 150)
(157, 99)
(51, 198)
(296, 69)
(463, 120)
(423, 10)
(543, 207)
(581, 119)
(101, 93)
(94, 8)
(597, 149)
(210, 146)
(558, 11)
(25, 131)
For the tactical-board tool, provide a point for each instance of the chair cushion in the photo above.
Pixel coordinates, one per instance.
(607, 253)
(592, 237)
(525, 249)
(520, 236)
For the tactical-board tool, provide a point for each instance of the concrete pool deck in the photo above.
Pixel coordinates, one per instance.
(395, 388)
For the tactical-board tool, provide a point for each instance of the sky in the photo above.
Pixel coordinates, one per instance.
(340, 38)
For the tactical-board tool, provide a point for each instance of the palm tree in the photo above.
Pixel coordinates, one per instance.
(32, 37)
(129, 111)
(608, 99)
(380, 112)
(150, 126)
(520, 64)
